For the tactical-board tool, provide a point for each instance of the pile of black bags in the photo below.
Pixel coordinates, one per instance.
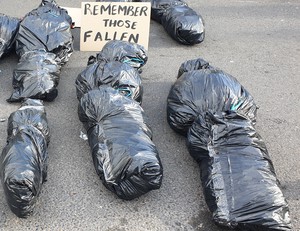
(9, 27)
(110, 94)
(44, 43)
(23, 162)
(218, 115)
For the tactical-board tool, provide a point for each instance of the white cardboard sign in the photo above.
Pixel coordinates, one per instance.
(75, 14)
(105, 21)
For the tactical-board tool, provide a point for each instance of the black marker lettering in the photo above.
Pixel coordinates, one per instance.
(86, 35)
(133, 38)
(144, 10)
(87, 8)
(98, 36)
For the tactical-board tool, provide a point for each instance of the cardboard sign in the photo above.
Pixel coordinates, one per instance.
(105, 21)
(75, 14)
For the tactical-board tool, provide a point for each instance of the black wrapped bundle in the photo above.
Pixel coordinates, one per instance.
(200, 88)
(237, 174)
(23, 161)
(119, 76)
(218, 116)
(180, 21)
(132, 54)
(124, 156)
(46, 28)
(36, 76)
(8, 30)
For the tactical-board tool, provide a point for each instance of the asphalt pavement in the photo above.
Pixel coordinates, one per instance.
(255, 41)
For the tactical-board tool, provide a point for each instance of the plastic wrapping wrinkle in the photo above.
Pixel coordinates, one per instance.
(197, 91)
(132, 54)
(124, 155)
(36, 76)
(193, 65)
(119, 76)
(23, 162)
(8, 30)
(237, 174)
(46, 28)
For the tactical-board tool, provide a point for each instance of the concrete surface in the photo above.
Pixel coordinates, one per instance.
(255, 41)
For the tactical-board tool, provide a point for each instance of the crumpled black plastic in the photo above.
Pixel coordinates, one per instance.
(201, 87)
(193, 65)
(180, 21)
(36, 76)
(8, 30)
(46, 28)
(23, 162)
(218, 116)
(237, 174)
(124, 156)
(132, 54)
(119, 76)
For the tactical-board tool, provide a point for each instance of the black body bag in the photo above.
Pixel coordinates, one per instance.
(9, 27)
(237, 174)
(180, 21)
(23, 162)
(123, 153)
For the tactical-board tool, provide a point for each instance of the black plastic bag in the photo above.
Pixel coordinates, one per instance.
(124, 156)
(23, 162)
(180, 21)
(132, 54)
(218, 116)
(8, 30)
(46, 28)
(36, 76)
(193, 65)
(205, 88)
(119, 76)
(237, 174)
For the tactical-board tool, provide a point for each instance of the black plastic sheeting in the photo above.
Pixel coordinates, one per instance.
(124, 156)
(23, 162)
(180, 21)
(132, 54)
(36, 76)
(218, 116)
(46, 28)
(237, 174)
(119, 76)
(201, 87)
(9, 27)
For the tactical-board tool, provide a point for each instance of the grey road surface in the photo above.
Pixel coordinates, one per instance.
(258, 42)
